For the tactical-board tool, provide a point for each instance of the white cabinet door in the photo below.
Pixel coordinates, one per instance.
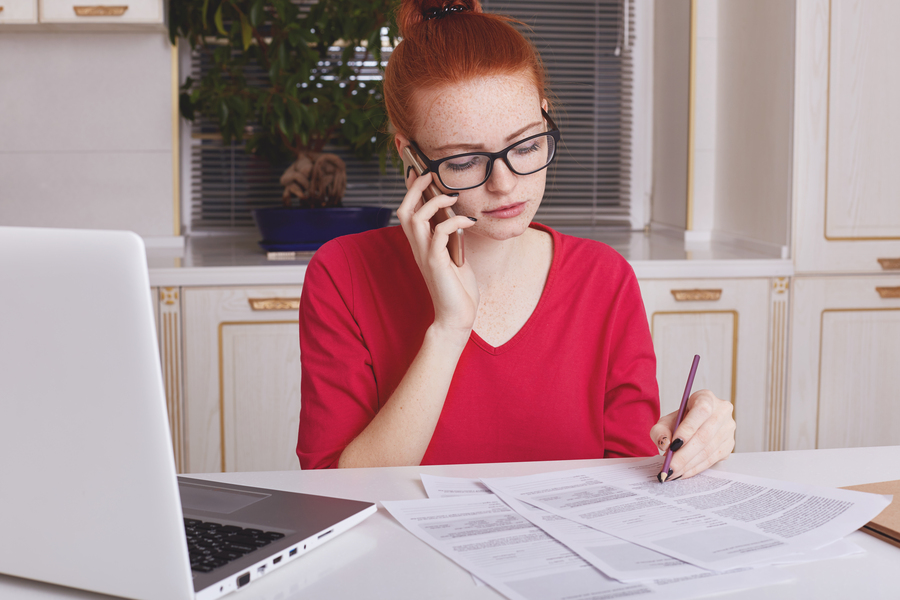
(726, 322)
(845, 380)
(102, 11)
(18, 11)
(847, 136)
(242, 378)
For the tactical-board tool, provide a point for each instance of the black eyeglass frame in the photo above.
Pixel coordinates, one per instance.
(433, 165)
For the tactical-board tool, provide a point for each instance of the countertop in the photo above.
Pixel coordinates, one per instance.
(237, 259)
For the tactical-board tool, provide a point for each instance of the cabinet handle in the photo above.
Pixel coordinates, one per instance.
(275, 303)
(890, 264)
(100, 11)
(697, 295)
(888, 292)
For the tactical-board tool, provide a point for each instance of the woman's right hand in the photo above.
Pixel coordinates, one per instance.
(454, 291)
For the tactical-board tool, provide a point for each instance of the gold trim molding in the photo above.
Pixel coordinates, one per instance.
(274, 303)
(100, 11)
(888, 292)
(889, 264)
(697, 295)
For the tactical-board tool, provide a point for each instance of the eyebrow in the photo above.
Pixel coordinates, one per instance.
(509, 138)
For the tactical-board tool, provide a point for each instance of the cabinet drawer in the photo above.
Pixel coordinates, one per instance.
(101, 11)
(18, 11)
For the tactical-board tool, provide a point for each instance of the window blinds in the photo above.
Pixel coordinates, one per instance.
(585, 45)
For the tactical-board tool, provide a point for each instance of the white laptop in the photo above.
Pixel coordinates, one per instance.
(89, 497)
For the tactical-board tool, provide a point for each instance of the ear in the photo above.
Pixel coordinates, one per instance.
(545, 105)
(401, 142)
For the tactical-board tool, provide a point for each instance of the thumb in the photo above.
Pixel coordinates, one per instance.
(661, 433)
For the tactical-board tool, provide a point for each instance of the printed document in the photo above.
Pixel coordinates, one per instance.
(485, 536)
(616, 558)
(715, 520)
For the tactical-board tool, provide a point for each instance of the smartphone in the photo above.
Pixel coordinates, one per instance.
(455, 245)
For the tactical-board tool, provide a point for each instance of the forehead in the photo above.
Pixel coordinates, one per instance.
(479, 111)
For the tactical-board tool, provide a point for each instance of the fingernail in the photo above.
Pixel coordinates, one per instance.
(472, 219)
(678, 443)
(408, 169)
(676, 479)
(662, 442)
(453, 195)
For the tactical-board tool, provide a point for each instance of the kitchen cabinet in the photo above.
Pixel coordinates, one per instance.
(729, 323)
(18, 12)
(102, 11)
(845, 384)
(241, 378)
(847, 137)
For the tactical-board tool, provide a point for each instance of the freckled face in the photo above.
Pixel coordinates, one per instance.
(486, 115)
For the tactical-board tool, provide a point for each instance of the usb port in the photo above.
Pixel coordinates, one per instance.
(292, 552)
(276, 560)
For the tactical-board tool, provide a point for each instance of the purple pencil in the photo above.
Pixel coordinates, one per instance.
(664, 474)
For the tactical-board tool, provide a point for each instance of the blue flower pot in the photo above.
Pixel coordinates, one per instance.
(298, 229)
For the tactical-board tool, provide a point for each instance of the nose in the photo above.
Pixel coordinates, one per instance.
(502, 180)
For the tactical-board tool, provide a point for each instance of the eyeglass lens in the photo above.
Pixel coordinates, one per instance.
(524, 158)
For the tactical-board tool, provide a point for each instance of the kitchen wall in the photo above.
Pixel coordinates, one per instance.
(86, 134)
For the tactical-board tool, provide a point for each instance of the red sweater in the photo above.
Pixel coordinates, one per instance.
(577, 381)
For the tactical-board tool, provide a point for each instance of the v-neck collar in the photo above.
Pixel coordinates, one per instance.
(523, 331)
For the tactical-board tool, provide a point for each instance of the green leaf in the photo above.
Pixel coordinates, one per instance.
(246, 32)
(203, 12)
(218, 20)
(257, 13)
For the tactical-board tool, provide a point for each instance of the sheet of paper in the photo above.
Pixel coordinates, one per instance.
(625, 559)
(715, 520)
(617, 558)
(486, 537)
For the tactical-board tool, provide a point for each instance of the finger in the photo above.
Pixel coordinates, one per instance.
(413, 198)
(661, 432)
(441, 235)
(701, 463)
(711, 442)
(700, 408)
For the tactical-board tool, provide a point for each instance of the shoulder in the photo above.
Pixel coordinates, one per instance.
(372, 250)
(586, 259)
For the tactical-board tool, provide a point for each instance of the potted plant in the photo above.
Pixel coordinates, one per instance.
(308, 57)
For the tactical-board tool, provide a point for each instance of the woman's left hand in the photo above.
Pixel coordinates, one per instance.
(706, 431)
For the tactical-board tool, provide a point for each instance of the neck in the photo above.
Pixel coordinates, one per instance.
(496, 260)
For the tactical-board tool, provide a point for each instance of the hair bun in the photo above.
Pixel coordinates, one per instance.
(412, 13)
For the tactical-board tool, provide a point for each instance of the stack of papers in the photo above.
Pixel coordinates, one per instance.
(614, 531)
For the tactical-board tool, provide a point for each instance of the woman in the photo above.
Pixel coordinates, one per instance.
(537, 347)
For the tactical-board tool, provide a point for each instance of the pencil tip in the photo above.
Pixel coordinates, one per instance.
(661, 477)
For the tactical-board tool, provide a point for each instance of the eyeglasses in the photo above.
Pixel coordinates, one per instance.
(472, 169)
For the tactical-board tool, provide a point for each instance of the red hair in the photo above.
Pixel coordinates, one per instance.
(457, 43)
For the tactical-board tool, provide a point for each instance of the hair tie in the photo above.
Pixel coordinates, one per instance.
(440, 13)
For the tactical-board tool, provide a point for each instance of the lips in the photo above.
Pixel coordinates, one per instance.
(507, 211)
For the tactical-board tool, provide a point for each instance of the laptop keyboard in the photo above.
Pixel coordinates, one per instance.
(212, 545)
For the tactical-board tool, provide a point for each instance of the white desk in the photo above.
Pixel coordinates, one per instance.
(380, 559)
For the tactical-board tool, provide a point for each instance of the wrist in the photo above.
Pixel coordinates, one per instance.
(452, 338)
